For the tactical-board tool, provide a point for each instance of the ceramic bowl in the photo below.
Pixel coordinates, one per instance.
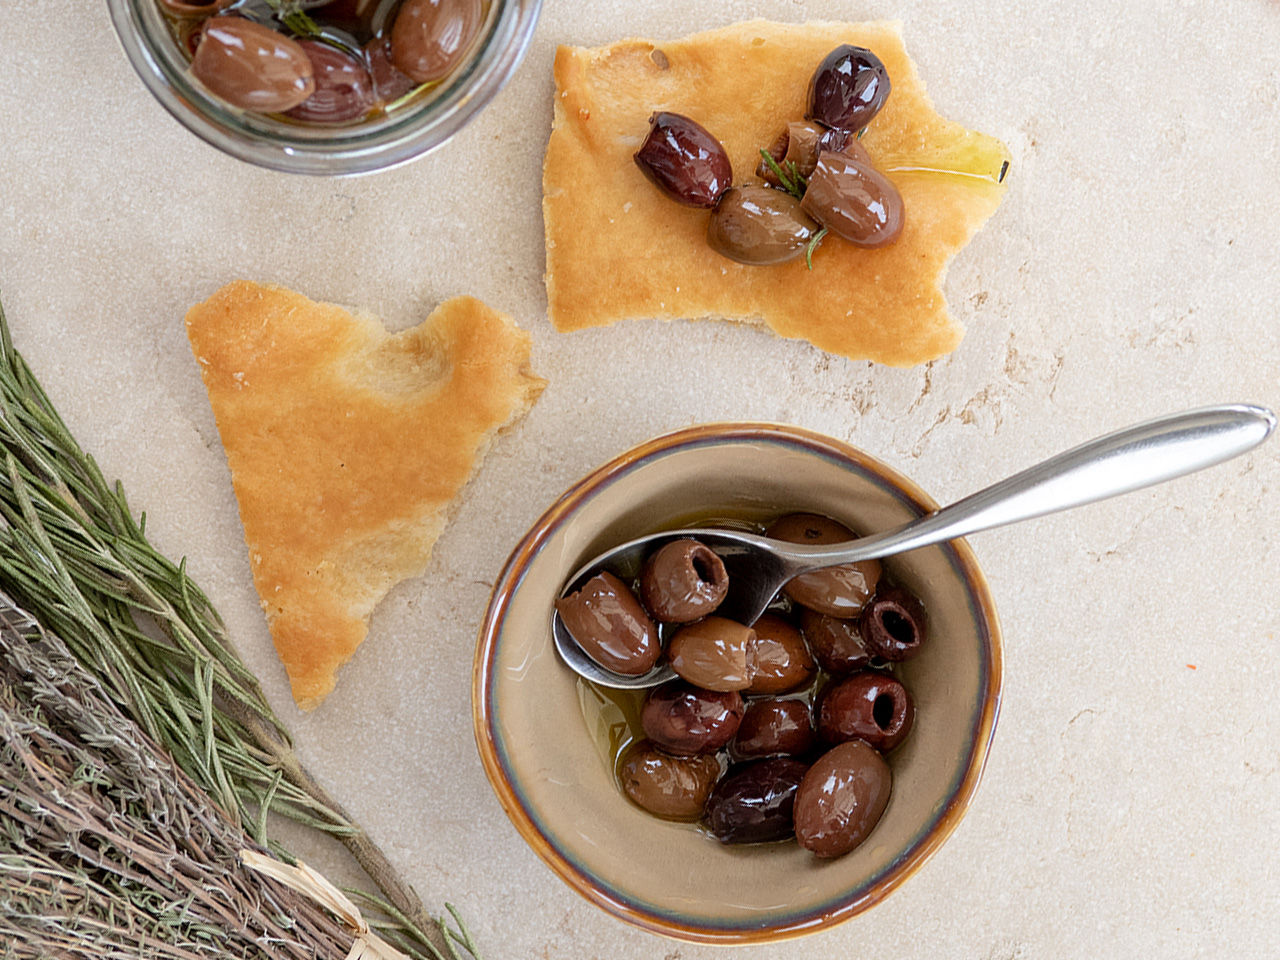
(549, 770)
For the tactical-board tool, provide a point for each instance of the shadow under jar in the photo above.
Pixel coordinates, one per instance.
(355, 110)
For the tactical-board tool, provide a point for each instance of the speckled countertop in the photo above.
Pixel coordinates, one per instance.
(1131, 805)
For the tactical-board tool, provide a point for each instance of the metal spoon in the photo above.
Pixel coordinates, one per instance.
(1120, 462)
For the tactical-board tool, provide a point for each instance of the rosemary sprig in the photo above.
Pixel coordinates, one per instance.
(814, 241)
(108, 850)
(293, 16)
(72, 554)
(790, 179)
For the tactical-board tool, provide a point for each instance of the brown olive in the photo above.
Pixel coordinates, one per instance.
(893, 625)
(782, 660)
(867, 706)
(774, 727)
(683, 581)
(841, 799)
(430, 37)
(684, 160)
(836, 591)
(854, 200)
(389, 84)
(753, 804)
(674, 788)
(799, 143)
(251, 66)
(849, 87)
(685, 719)
(178, 8)
(836, 643)
(344, 89)
(607, 621)
(714, 654)
(757, 225)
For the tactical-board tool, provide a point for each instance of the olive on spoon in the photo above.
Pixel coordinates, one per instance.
(1120, 462)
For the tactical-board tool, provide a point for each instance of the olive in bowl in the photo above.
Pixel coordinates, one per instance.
(556, 776)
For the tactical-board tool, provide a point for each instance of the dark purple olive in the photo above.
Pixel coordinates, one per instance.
(772, 727)
(251, 66)
(684, 161)
(854, 200)
(674, 788)
(685, 719)
(799, 143)
(893, 625)
(714, 653)
(848, 88)
(836, 591)
(683, 581)
(867, 706)
(782, 660)
(344, 89)
(430, 38)
(389, 84)
(841, 799)
(753, 804)
(758, 225)
(607, 621)
(836, 643)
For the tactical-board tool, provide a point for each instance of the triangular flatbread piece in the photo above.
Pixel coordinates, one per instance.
(346, 445)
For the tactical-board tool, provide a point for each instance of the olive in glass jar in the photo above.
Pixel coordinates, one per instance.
(836, 591)
(685, 719)
(753, 804)
(430, 37)
(841, 799)
(849, 87)
(836, 643)
(344, 89)
(715, 654)
(772, 727)
(674, 788)
(759, 226)
(608, 623)
(683, 581)
(684, 160)
(893, 624)
(854, 200)
(251, 66)
(781, 657)
(869, 706)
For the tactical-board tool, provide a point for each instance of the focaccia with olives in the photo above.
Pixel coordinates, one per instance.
(347, 445)
(618, 249)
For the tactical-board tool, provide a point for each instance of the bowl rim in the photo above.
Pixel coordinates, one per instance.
(923, 848)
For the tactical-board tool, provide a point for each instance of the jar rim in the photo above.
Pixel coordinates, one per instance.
(365, 147)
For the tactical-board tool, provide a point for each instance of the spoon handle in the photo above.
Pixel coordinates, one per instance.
(1129, 459)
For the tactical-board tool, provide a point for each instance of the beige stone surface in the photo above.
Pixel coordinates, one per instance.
(1131, 805)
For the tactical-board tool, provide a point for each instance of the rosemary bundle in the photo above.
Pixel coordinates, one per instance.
(108, 850)
(74, 556)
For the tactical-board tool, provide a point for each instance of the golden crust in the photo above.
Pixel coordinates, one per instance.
(346, 445)
(618, 249)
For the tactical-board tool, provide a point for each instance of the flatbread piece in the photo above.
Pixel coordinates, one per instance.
(618, 249)
(346, 446)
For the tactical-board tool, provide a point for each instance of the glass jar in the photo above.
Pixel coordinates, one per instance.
(393, 138)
